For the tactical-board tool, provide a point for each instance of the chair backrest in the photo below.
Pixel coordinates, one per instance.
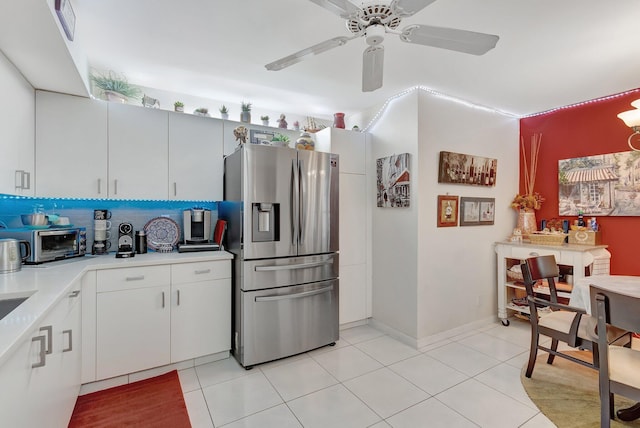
(616, 309)
(541, 267)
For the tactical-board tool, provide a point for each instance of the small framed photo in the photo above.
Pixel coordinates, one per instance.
(67, 17)
(447, 211)
(260, 137)
(477, 211)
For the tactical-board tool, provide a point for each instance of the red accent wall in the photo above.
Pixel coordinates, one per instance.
(589, 129)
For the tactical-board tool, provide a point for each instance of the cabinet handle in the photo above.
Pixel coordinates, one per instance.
(49, 330)
(70, 333)
(42, 353)
(28, 175)
(74, 293)
(178, 297)
(18, 178)
(134, 278)
(115, 186)
(202, 271)
(163, 299)
(99, 186)
(175, 189)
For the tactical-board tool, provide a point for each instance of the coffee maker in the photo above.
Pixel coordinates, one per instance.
(197, 231)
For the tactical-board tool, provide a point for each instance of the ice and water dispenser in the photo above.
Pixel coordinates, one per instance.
(265, 220)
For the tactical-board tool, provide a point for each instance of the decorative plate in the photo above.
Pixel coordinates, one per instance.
(161, 231)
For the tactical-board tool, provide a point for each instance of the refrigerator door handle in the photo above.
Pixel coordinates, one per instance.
(293, 202)
(295, 295)
(293, 266)
(303, 194)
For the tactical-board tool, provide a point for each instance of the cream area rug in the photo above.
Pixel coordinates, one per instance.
(567, 393)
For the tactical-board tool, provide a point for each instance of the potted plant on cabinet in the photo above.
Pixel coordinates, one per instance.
(265, 120)
(114, 87)
(202, 111)
(178, 106)
(280, 140)
(224, 112)
(245, 114)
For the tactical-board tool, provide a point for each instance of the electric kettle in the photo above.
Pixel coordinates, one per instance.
(11, 257)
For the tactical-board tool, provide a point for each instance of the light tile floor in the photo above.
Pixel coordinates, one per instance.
(372, 380)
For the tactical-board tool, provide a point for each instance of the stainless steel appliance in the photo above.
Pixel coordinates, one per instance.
(197, 231)
(281, 208)
(50, 244)
(11, 257)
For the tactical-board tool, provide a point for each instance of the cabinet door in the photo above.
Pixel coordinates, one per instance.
(138, 150)
(132, 330)
(44, 394)
(350, 145)
(200, 319)
(71, 143)
(196, 159)
(17, 131)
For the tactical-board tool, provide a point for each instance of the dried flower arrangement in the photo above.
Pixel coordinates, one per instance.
(530, 199)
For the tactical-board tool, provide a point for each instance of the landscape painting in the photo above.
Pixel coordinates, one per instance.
(601, 185)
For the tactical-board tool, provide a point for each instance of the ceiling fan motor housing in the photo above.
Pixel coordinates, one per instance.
(373, 14)
(375, 35)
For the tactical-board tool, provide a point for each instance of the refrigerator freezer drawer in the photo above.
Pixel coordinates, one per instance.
(286, 321)
(261, 274)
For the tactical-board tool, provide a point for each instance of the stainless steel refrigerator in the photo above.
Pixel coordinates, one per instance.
(281, 207)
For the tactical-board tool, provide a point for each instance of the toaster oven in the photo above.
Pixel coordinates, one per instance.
(51, 244)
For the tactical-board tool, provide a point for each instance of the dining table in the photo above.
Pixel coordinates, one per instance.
(580, 297)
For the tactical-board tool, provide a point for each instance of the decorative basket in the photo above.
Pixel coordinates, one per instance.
(514, 276)
(547, 238)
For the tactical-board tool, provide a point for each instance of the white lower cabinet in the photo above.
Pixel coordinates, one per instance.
(200, 309)
(41, 381)
(152, 316)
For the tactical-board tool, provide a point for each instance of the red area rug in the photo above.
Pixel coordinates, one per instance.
(155, 402)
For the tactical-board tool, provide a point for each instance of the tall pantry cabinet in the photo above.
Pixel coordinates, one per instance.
(355, 220)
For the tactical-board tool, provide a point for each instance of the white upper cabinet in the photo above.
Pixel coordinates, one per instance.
(71, 146)
(350, 145)
(17, 132)
(138, 152)
(195, 157)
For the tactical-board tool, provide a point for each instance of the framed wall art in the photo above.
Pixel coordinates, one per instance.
(447, 211)
(600, 185)
(477, 211)
(393, 181)
(458, 168)
(260, 137)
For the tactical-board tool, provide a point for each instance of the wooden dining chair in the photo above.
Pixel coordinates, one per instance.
(619, 365)
(563, 324)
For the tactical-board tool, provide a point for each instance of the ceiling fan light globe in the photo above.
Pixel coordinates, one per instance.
(631, 118)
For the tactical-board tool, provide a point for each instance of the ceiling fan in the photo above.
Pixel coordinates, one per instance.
(373, 20)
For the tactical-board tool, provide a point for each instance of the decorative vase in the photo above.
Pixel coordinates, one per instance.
(115, 97)
(338, 120)
(224, 116)
(265, 123)
(245, 116)
(179, 109)
(527, 221)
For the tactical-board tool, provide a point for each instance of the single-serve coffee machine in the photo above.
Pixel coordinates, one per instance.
(197, 230)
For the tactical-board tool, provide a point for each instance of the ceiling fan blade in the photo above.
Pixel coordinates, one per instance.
(409, 7)
(449, 38)
(343, 8)
(372, 66)
(313, 50)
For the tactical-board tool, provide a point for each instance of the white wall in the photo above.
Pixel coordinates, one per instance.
(395, 241)
(17, 123)
(457, 265)
(427, 279)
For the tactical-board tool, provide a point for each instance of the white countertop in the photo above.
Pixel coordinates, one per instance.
(49, 283)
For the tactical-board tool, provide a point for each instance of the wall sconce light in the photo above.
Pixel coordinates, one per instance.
(631, 118)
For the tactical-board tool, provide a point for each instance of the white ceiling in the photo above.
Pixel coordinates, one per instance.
(551, 53)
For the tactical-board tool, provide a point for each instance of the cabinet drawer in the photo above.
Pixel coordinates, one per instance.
(202, 271)
(134, 277)
(526, 252)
